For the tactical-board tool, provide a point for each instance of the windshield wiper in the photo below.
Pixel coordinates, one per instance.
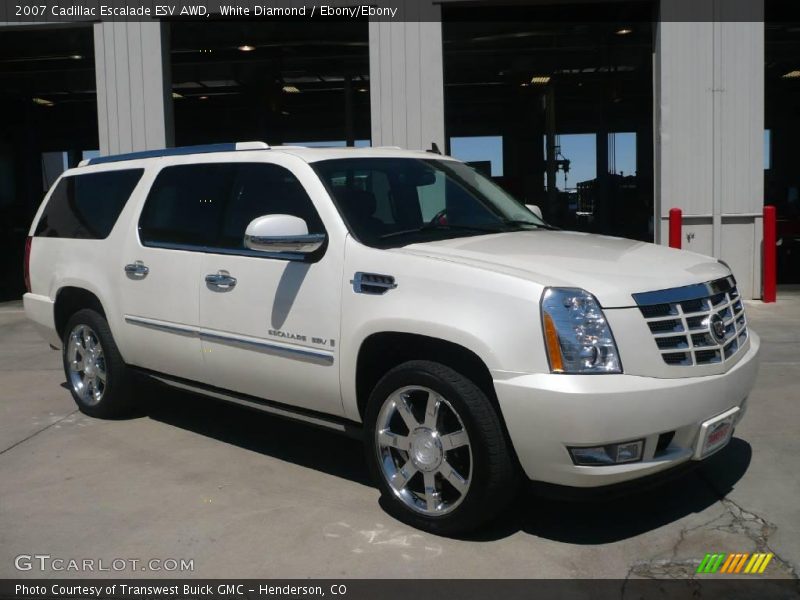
(519, 222)
(437, 226)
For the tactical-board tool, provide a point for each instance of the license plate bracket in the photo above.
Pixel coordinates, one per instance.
(715, 434)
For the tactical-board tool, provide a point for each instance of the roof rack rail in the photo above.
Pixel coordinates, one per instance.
(179, 151)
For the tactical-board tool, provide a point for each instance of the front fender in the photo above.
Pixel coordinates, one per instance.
(493, 315)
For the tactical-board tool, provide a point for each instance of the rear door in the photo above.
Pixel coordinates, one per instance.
(161, 270)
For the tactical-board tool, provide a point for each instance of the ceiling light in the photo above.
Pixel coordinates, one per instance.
(363, 90)
(791, 75)
(524, 84)
(291, 89)
(623, 31)
(176, 96)
(246, 48)
(203, 97)
(76, 56)
(42, 102)
(540, 79)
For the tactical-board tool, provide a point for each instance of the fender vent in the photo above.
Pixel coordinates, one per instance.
(372, 283)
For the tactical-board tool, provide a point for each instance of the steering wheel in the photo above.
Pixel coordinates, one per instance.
(437, 218)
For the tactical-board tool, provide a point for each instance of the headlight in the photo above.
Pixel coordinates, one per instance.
(577, 336)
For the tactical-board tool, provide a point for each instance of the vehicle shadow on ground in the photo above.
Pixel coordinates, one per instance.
(582, 521)
(289, 441)
(612, 519)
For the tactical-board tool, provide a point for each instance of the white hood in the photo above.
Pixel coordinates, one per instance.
(610, 268)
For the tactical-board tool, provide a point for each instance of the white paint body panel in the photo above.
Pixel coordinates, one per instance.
(610, 268)
(293, 330)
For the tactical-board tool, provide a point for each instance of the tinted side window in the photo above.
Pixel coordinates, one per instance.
(264, 189)
(87, 206)
(210, 205)
(186, 205)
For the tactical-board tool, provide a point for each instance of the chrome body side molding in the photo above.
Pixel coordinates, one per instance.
(287, 350)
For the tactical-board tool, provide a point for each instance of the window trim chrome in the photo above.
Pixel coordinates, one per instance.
(290, 256)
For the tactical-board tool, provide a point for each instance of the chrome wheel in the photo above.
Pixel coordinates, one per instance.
(86, 365)
(424, 450)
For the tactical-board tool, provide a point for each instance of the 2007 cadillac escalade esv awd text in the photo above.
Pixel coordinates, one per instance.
(397, 294)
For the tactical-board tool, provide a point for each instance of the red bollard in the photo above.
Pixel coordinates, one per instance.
(770, 249)
(675, 225)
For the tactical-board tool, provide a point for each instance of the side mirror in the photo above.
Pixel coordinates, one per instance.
(281, 233)
(535, 210)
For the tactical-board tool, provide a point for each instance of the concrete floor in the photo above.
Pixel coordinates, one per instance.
(246, 495)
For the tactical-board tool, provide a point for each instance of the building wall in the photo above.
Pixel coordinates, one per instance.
(134, 95)
(709, 127)
(407, 80)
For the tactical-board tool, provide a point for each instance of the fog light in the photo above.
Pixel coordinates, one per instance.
(629, 451)
(610, 454)
(591, 456)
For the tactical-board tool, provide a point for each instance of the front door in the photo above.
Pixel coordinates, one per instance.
(269, 325)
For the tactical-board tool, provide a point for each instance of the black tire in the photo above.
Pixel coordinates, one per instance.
(116, 399)
(494, 475)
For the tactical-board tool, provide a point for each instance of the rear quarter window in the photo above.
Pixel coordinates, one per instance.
(87, 206)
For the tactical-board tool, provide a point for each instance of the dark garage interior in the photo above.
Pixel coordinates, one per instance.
(49, 108)
(782, 124)
(277, 82)
(535, 87)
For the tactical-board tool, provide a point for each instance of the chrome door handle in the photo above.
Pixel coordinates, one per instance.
(221, 280)
(137, 268)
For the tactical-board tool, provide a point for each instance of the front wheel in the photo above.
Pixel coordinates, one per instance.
(436, 448)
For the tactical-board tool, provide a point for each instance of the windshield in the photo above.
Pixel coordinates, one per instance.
(389, 202)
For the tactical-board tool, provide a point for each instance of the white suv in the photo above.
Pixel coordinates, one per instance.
(397, 295)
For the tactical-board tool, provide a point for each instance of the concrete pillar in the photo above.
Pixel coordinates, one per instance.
(134, 92)
(709, 124)
(407, 79)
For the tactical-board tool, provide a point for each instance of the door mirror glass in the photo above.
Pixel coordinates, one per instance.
(283, 234)
(535, 210)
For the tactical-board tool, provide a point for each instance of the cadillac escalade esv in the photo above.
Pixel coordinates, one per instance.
(399, 295)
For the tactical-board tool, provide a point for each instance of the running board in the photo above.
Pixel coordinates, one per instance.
(278, 409)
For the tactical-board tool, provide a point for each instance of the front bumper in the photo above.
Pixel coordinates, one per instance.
(545, 413)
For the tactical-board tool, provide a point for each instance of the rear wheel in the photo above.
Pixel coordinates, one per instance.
(437, 450)
(96, 374)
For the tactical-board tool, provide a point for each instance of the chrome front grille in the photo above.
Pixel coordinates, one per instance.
(698, 324)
